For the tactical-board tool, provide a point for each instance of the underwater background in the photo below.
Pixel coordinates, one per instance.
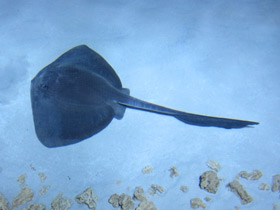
(218, 58)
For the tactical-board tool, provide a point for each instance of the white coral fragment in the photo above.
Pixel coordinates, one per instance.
(87, 197)
(214, 165)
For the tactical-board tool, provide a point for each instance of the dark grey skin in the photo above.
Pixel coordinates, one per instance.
(79, 94)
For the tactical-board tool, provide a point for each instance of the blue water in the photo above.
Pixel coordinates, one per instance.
(218, 58)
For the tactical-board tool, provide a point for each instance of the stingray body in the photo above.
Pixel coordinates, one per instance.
(79, 94)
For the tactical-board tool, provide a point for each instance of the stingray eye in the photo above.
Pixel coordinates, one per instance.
(44, 86)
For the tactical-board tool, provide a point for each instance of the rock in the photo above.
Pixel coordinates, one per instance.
(61, 203)
(197, 203)
(23, 197)
(239, 190)
(139, 194)
(174, 172)
(184, 188)
(35, 207)
(264, 186)
(156, 188)
(276, 183)
(22, 178)
(147, 170)
(114, 200)
(207, 199)
(125, 202)
(4, 205)
(146, 205)
(209, 181)
(44, 190)
(42, 176)
(255, 175)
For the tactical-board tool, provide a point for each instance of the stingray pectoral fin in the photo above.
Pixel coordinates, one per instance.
(119, 110)
(203, 120)
(126, 91)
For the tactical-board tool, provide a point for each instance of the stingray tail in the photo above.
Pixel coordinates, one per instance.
(189, 118)
(208, 121)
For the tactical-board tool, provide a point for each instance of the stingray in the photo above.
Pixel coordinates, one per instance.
(79, 94)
